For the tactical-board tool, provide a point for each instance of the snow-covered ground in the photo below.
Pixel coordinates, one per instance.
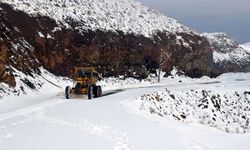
(118, 121)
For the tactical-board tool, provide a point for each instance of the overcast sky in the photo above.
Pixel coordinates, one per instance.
(230, 16)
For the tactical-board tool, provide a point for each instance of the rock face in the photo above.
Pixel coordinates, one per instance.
(4, 72)
(31, 38)
(228, 55)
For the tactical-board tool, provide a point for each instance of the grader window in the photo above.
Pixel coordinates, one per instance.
(82, 74)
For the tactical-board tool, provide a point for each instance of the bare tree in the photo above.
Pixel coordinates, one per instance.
(160, 65)
(164, 59)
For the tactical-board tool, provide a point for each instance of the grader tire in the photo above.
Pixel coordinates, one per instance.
(67, 92)
(90, 92)
(95, 91)
(99, 91)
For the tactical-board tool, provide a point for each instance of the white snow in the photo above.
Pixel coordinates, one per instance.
(226, 50)
(246, 46)
(128, 16)
(112, 83)
(40, 34)
(49, 36)
(181, 40)
(56, 29)
(236, 56)
(118, 121)
(228, 111)
(39, 83)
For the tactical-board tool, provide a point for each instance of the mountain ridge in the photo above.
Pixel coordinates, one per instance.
(128, 16)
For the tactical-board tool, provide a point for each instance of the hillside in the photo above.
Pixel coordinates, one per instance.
(127, 16)
(124, 38)
(228, 55)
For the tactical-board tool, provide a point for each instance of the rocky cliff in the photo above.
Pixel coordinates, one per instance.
(118, 38)
(228, 55)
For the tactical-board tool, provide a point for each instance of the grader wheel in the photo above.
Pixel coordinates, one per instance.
(67, 92)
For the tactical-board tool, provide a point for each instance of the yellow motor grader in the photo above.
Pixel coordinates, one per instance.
(85, 83)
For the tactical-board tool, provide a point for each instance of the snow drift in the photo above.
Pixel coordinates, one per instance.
(222, 103)
(227, 111)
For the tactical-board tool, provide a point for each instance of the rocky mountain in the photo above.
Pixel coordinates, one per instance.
(228, 55)
(114, 15)
(117, 37)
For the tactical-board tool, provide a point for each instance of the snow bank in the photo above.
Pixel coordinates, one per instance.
(122, 83)
(222, 102)
(228, 111)
(34, 84)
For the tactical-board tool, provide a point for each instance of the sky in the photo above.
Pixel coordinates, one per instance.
(229, 16)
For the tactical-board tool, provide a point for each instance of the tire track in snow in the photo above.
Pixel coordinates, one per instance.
(4, 134)
(120, 140)
(30, 109)
(24, 112)
(191, 136)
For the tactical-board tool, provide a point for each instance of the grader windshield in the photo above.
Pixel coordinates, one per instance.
(82, 74)
(85, 72)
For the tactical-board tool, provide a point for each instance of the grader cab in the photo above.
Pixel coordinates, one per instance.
(85, 83)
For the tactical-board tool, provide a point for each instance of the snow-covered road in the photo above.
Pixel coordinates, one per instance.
(110, 122)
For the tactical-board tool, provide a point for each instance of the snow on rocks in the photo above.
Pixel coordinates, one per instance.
(228, 111)
(40, 34)
(222, 102)
(128, 16)
(34, 83)
(226, 50)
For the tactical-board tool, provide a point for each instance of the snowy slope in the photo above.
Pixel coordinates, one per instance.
(32, 84)
(222, 103)
(128, 16)
(226, 49)
(225, 110)
(117, 122)
(246, 46)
